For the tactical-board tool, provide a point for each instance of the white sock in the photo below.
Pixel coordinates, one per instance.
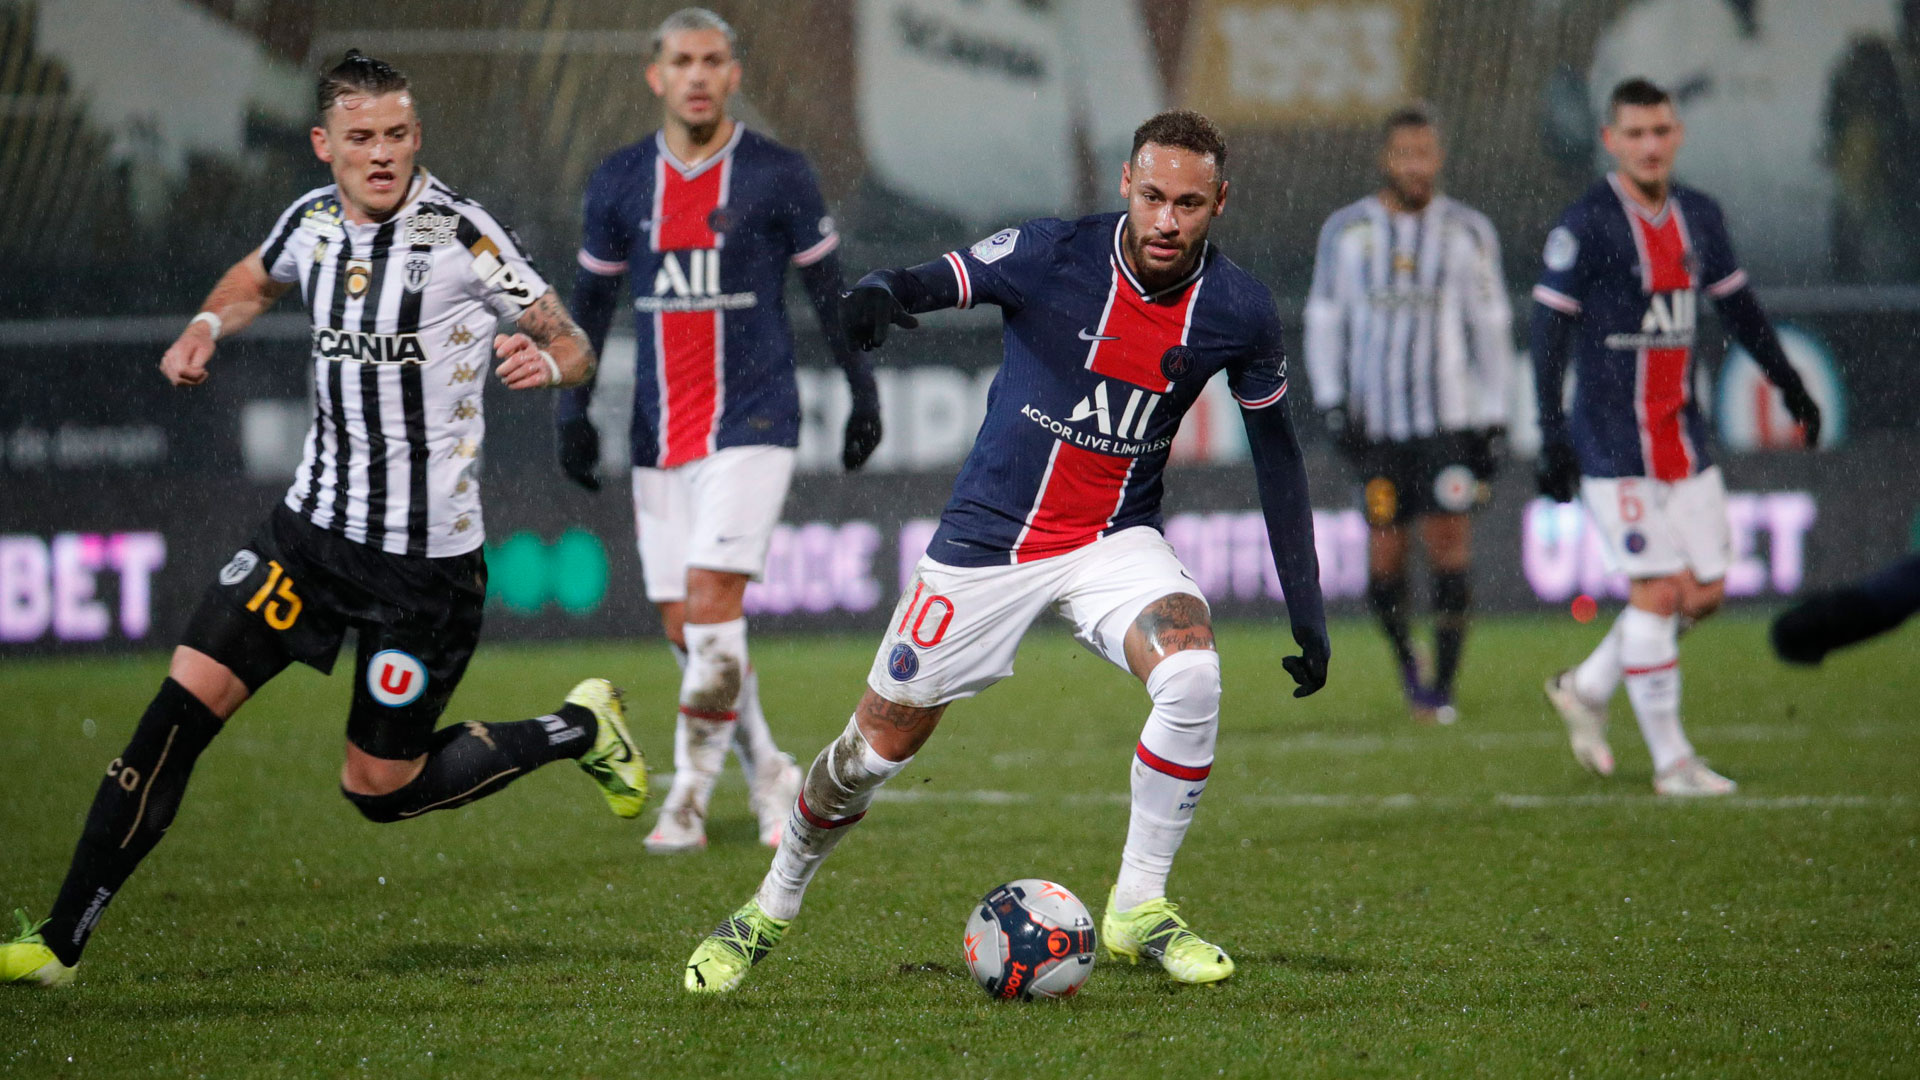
(1598, 676)
(840, 786)
(1170, 768)
(709, 694)
(752, 738)
(1650, 659)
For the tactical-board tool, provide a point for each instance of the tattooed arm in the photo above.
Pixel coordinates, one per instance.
(549, 349)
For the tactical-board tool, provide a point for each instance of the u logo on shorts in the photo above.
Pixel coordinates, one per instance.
(396, 678)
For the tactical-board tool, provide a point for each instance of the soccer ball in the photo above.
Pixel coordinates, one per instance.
(1030, 939)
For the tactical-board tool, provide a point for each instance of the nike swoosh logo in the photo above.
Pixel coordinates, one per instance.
(1084, 336)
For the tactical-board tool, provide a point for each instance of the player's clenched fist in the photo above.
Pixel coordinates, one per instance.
(524, 365)
(1309, 669)
(185, 362)
(868, 311)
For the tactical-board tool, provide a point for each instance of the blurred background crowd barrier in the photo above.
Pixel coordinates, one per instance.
(145, 146)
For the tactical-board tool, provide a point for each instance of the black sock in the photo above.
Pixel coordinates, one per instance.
(1388, 596)
(473, 760)
(131, 811)
(1452, 594)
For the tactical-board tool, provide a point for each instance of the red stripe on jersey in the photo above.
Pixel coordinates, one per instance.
(689, 341)
(1078, 498)
(689, 346)
(961, 278)
(1139, 333)
(1662, 394)
(1161, 765)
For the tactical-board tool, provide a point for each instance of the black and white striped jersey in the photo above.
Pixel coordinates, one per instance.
(404, 314)
(1408, 324)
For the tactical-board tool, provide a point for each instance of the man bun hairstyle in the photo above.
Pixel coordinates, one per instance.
(1636, 91)
(1414, 114)
(357, 73)
(693, 18)
(1184, 129)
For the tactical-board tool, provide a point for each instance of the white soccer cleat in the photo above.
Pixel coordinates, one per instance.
(682, 827)
(1586, 724)
(1690, 777)
(773, 797)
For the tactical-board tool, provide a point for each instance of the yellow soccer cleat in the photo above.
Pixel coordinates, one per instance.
(1156, 930)
(27, 960)
(615, 762)
(722, 960)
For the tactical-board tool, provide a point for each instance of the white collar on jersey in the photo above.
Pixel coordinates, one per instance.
(688, 172)
(1653, 217)
(1120, 263)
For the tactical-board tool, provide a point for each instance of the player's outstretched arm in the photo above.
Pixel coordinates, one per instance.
(1558, 471)
(1281, 473)
(892, 297)
(1750, 327)
(240, 296)
(549, 349)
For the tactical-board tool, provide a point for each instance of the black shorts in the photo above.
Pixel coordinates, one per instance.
(294, 589)
(1435, 474)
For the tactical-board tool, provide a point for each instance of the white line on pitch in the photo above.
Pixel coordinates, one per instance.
(1414, 802)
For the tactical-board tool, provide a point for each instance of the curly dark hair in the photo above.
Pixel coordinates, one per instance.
(1184, 129)
(356, 73)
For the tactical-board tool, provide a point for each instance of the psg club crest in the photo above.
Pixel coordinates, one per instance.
(1636, 542)
(903, 663)
(1176, 363)
(418, 269)
(719, 219)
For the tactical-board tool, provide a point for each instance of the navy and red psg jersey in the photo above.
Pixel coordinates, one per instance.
(1633, 279)
(706, 248)
(1097, 376)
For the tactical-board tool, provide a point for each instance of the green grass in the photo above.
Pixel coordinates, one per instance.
(1400, 901)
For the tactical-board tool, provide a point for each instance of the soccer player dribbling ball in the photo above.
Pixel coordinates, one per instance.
(381, 530)
(703, 217)
(1624, 271)
(1114, 323)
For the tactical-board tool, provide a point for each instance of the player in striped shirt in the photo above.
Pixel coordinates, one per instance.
(703, 217)
(1619, 294)
(1409, 344)
(381, 529)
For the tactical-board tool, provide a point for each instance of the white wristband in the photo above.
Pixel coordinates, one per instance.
(212, 321)
(553, 368)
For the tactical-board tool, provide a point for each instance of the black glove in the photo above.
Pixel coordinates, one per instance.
(1804, 410)
(867, 312)
(1557, 471)
(1486, 449)
(1309, 669)
(580, 451)
(863, 423)
(1344, 432)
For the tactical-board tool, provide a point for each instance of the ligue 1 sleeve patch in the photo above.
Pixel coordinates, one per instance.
(396, 678)
(996, 247)
(1562, 249)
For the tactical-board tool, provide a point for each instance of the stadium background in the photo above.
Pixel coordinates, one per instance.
(131, 174)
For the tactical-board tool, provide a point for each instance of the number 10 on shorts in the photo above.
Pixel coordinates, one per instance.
(925, 616)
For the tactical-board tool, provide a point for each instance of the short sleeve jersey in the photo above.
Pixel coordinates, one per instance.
(1633, 280)
(403, 320)
(1097, 374)
(706, 248)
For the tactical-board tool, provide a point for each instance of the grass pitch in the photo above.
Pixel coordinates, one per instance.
(1400, 901)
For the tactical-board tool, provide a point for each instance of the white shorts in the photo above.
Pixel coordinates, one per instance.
(715, 513)
(956, 628)
(1655, 528)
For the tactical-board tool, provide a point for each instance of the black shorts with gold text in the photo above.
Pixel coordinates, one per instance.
(294, 589)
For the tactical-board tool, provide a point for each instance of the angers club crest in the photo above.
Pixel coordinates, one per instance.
(419, 267)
